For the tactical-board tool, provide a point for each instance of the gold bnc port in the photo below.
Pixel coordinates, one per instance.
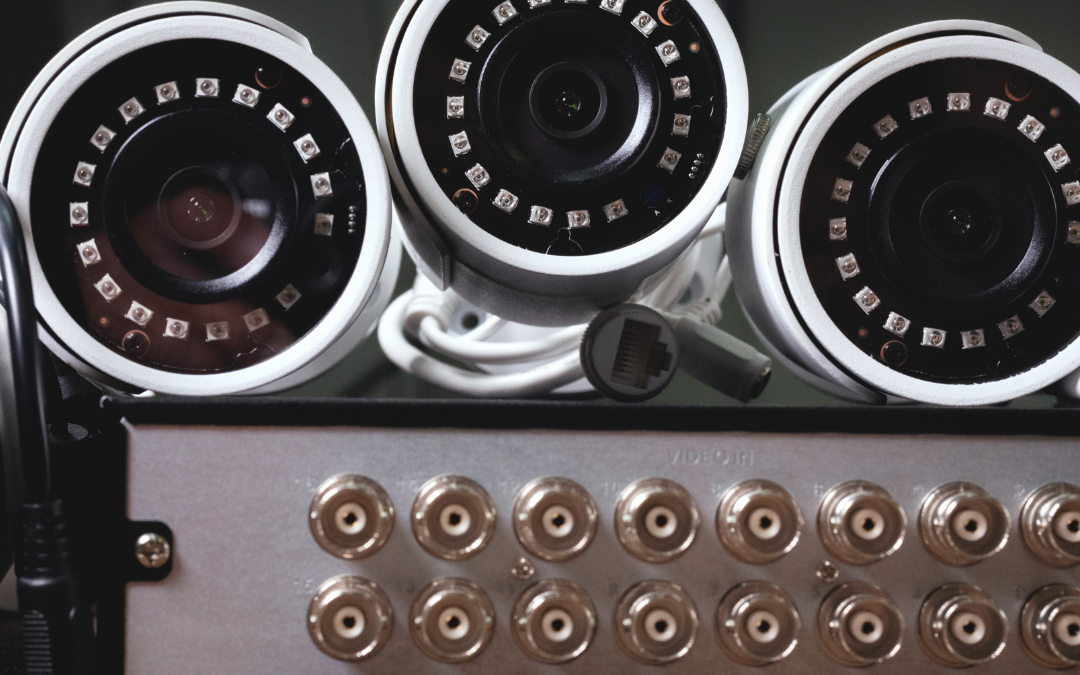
(960, 626)
(758, 521)
(860, 625)
(351, 516)
(655, 622)
(553, 621)
(1050, 524)
(961, 524)
(452, 620)
(1050, 626)
(453, 518)
(555, 519)
(656, 520)
(859, 523)
(757, 623)
(350, 618)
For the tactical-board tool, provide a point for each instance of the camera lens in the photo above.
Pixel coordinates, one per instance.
(201, 208)
(203, 197)
(927, 231)
(197, 205)
(960, 221)
(563, 110)
(568, 100)
(532, 134)
(956, 218)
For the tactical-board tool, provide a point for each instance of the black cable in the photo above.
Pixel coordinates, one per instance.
(57, 625)
(26, 364)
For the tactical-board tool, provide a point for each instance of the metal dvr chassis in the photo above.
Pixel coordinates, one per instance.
(234, 482)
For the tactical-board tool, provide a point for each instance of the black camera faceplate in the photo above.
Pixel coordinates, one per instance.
(957, 221)
(277, 253)
(617, 160)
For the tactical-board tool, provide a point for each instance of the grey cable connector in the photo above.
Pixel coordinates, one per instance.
(721, 360)
(630, 353)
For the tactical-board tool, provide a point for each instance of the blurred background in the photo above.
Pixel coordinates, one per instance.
(783, 41)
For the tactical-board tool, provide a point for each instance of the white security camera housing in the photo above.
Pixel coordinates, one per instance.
(199, 329)
(852, 276)
(496, 256)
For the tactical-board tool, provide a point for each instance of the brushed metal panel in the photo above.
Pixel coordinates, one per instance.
(246, 564)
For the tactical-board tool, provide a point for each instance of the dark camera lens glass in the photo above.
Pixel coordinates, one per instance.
(222, 216)
(957, 235)
(568, 100)
(960, 221)
(582, 112)
(202, 199)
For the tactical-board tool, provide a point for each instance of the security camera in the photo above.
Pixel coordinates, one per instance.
(550, 155)
(205, 204)
(911, 227)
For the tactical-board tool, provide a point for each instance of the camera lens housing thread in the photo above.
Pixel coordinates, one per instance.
(905, 233)
(550, 158)
(197, 163)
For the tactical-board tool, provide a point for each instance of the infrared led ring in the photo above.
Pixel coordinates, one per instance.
(911, 229)
(205, 203)
(551, 154)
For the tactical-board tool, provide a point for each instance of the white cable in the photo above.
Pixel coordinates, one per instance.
(485, 330)
(538, 380)
(433, 337)
(544, 364)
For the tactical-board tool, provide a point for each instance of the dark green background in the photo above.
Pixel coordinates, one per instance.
(783, 41)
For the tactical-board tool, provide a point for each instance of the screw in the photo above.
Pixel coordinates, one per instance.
(828, 572)
(523, 569)
(152, 550)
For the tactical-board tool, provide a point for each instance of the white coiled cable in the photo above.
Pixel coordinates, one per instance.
(491, 367)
